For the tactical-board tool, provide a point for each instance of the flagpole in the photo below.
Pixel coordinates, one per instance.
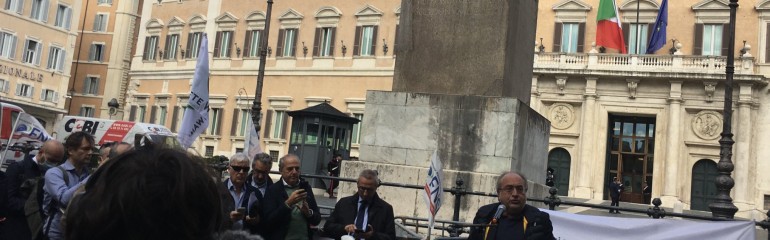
(8, 145)
(256, 106)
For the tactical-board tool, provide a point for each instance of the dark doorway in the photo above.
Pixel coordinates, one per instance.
(559, 161)
(631, 143)
(703, 189)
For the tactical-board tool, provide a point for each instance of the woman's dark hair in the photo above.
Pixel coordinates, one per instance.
(149, 193)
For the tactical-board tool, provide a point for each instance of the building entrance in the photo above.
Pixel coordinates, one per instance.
(630, 156)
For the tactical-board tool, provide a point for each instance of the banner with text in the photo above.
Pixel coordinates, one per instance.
(568, 226)
(196, 115)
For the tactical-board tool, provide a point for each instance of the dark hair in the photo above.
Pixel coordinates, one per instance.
(153, 194)
(74, 140)
(114, 148)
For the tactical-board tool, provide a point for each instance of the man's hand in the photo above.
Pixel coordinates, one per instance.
(305, 209)
(369, 231)
(235, 216)
(296, 196)
(252, 221)
(350, 228)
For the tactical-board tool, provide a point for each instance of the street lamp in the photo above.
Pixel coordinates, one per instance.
(256, 107)
(114, 105)
(723, 206)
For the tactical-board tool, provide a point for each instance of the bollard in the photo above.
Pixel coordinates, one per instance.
(656, 212)
(458, 191)
(552, 201)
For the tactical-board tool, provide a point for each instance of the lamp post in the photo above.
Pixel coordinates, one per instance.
(723, 206)
(256, 107)
(113, 105)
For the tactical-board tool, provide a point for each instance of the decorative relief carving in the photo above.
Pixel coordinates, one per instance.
(707, 125)
(562, 115)
(632, 84)
(561, 82)
(710, 88)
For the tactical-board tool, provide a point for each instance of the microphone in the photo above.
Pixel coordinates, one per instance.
(500, 210)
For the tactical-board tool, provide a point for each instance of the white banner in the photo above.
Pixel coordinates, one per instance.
(251, 146)
(568, 226)
(196, 114)
(433, 187)
(26, 130)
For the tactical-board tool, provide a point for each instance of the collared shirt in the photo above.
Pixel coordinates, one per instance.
(58, 192)
(262, 188)
(237, 197)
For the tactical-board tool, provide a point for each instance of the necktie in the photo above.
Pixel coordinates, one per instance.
(360, 216)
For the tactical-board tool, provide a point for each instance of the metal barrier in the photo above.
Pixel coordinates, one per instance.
(454, 228)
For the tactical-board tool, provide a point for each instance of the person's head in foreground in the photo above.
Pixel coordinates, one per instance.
(148, 193)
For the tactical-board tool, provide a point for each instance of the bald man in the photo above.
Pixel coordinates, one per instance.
(50, 154)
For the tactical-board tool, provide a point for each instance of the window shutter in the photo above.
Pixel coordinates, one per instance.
(46, 5)
(166, 47)
(395, 41)
(55, 97)
(285, 120)
(247, 44)
(51, 58)
(103, 50)
(153, 111)
(95, 89)
(767, 43)
(68, 19)
(174, 118)
(294, 43)
(581, 37)
(219, 121)
(7, 86)
(13, 47)
(268, 121)
(259, 43)
(62, 55)
(18, 89)
(230, 44)
(357, 42)
(30, 91)
(189, 45)
(217, 44)
(333, 32)
(132, 114)
(726, 40)
(317, 41)
(650, 30)
(374, 41)
(698, 38)
(42, 95)
(146, 55)
(96, 22)
(86, 85)
(234, 125)
(557, 37)
(279, 48)
(19, 6)
(38, 53)
(627, 35)
(24, 51)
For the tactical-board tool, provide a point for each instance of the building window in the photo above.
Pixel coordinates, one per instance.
(96, 54)
(365, 40)
(63, 17)
(49, 95)
(274, 155)
(141, 113)
(324, 42)
(287, 39)
(86, 112)
(105, 2)
(7, 45)
(39, 10)
(193, 44)
(14, 5)
(32, 51)
(712, 40)
(91, 86)
(244, 124)
(253, 43)
(637, 32)
(5, 85)
(150, 48)
(209, 151)
(162, 112)
(356, 137)
(100, 22)
(238, 150)
(569, 37)
(222, 46)
(172, 43)
(215, 121)
(56, 58)
(279, 125)
(24, 90)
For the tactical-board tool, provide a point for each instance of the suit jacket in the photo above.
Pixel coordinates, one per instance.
(256, 209)
(16, 226)
(615, 190)
(276, 215)
(380, 217)
(228, 203)
(533, 215)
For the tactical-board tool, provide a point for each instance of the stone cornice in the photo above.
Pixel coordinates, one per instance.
(622, 74)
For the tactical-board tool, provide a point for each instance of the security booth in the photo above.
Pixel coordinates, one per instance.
(317, 133)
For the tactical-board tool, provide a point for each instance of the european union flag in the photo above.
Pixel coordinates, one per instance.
(658, 39)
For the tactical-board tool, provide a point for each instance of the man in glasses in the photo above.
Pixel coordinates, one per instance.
(517, 220)
(364, 215)
(239, 196)
(259, 180)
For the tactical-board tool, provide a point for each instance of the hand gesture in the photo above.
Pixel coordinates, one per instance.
(305, 209)
(369, 231)
(350, 228)
(296, 197)
(235, 216)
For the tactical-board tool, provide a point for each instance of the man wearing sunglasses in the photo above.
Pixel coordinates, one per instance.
(238, 196)
(364, 215)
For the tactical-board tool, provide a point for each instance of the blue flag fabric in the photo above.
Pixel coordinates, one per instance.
(658, 39)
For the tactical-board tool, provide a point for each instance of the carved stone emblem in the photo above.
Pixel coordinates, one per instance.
(562, 115)
(707, 125)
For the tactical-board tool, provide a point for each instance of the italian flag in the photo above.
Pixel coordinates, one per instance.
(608, 31)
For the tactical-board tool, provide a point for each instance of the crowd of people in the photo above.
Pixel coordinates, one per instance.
(162, 193)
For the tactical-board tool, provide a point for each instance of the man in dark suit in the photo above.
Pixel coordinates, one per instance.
(260, 180)
(517, 220)
(615, 188)
(16, 227)
(364, 215)
(290, 207)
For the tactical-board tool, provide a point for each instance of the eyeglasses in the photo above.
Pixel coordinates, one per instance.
(510, 190)
(239, 169)
(365, 189)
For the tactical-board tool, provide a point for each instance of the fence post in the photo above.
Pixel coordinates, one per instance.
(656, 212)
(552, 201)
(458, 191)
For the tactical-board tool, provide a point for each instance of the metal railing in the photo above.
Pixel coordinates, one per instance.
(454, 227)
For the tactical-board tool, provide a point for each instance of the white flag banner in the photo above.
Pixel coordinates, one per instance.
(251, 145)
(196, 116)
(575, 226)
(433, 187)
(26, 130)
